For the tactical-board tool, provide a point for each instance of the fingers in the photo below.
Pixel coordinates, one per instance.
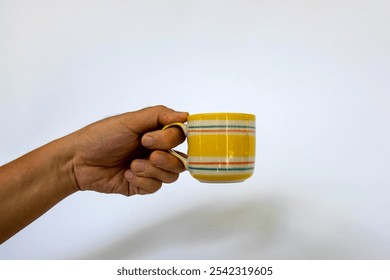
(147, 175)
(144, 168)
(141, 185)
(163, 139)
(165, 161)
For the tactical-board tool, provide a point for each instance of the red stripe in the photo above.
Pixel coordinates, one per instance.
(223, 163)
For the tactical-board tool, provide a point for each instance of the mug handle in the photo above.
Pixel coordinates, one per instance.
(173, 152)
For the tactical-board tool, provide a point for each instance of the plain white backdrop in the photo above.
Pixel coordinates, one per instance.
(315, 73)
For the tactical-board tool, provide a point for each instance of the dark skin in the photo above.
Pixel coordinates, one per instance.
(125, 154)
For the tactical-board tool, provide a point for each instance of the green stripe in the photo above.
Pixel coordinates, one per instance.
(221, 126)
(221, 169)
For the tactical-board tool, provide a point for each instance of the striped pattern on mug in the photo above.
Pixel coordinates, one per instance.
(227, 126)
(222, 165)
(222, 150)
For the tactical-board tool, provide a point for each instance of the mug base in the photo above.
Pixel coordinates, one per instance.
(221, 182)
(219, 179)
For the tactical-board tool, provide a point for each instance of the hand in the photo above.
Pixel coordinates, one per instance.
(126, 154)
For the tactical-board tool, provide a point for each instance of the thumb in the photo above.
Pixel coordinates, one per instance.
(154, 118)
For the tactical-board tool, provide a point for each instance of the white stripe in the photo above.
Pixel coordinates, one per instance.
(221, 122)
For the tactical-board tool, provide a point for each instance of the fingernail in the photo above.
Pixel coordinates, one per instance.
(138, 166)
(148, 141)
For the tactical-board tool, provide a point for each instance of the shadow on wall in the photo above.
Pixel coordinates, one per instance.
(250, 228)
(207, 231)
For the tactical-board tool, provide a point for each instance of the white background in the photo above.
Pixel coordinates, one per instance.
(315, 73)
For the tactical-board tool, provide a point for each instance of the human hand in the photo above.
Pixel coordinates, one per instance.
(127, 154)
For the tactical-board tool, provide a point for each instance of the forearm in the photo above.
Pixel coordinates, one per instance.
(33, 183)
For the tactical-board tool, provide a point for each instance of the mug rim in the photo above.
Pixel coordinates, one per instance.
(218, 115)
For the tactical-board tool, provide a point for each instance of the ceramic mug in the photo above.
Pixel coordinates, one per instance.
(221, 146)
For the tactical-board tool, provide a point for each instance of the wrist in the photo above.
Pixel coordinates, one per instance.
(64, 163)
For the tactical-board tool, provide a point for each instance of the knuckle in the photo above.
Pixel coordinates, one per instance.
(171, 178)
(161, 107)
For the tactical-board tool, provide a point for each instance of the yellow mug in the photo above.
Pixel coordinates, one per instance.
(221, 146)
